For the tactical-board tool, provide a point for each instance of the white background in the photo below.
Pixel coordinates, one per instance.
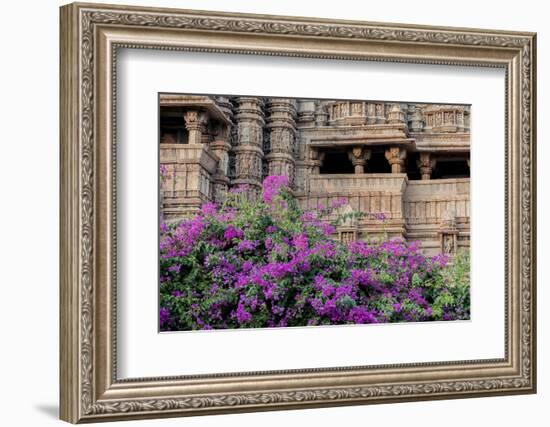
(29, 173)
(141, 348)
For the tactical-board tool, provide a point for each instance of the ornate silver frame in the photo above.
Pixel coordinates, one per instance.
(90, 36)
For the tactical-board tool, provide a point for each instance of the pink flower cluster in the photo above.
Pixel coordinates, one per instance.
(266, 263)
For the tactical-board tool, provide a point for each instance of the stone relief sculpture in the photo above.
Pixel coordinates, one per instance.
(448, 244)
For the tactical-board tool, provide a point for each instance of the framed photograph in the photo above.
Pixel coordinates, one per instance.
(267, 212)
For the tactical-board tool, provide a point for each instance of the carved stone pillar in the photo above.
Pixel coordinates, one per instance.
(359, 157)
(221, 146)
(195, 123)
(396, 158)
(220, 179)
(426, 164)
(282, 136)
(249, 152)
(317, 158)
(225, 105)
(306, 114)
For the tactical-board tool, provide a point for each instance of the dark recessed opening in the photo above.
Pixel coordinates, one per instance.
(413, 171)
(172, 127)
(455, 168)
(378, 163)
(336, 162)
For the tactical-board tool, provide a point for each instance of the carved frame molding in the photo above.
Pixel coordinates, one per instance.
(90, 37)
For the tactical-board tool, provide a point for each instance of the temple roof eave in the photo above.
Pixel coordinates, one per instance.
(195, 102)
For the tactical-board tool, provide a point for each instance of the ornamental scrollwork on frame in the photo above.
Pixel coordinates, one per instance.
(90, 18)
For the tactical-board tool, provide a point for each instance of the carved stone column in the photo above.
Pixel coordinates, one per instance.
(220, 179)
(195, 123)
(249, 152)
(225, 105)
(396, 158)
(282, 136)
(359, 157)
(221, 146)
(426, 164)
(317, 158)
(306, 114)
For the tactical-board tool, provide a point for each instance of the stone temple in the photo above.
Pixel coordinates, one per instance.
(410, 162)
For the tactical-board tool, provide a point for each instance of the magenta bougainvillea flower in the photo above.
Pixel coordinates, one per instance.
(266, 263)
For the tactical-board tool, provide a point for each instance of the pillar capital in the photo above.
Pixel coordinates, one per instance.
(396, 158)
(426, 164)
(195, 119)
(359, 156)
(249, 110)
(195, 123)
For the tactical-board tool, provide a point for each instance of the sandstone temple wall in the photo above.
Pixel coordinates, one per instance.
(408, 163)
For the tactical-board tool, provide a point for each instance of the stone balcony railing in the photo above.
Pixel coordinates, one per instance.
(188, 182)
(370, 193)
(394, 195)
(356, 113)
(357, 183)
(433, 200)
(189, 153)
(445, 118)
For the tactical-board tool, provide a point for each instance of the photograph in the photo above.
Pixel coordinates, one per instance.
(287, 212)
(263, 210)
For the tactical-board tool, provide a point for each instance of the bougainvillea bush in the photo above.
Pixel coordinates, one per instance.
(266, 263)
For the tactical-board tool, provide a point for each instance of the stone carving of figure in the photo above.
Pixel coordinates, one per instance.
(448, 244)
(244, 134)
(350, 220)
(224, 163)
